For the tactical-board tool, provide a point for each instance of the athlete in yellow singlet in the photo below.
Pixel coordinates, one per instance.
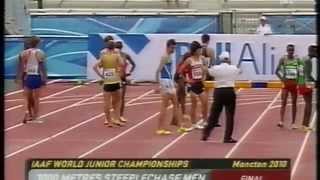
(110, 62)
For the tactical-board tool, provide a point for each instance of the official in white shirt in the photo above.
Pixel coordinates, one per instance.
(224, 96)
(263, 28)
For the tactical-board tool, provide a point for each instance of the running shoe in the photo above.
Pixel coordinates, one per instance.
(163, 132)
(199, 124)
(26, 118)
(36, 121)
(184, 130)
(122, 119)
(117, 122)
(306, 129)
(294, 126)
(280, 124)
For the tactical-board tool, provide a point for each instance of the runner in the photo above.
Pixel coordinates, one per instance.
(305, 81)
(32, 75)
(164, 75)
(127, 61)
(110, 62)
(287, 72)
(195, 81)
(209, 60)
(180, 79)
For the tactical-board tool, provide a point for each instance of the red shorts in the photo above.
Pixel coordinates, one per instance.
(290, 85)
(304, 90)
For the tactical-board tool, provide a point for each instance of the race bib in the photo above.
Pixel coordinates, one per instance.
(291, 73)
(32, 69)
(196, 72)
(109, 73)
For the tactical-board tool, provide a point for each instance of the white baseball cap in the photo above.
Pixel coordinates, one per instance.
(263, 18)
(224, 55)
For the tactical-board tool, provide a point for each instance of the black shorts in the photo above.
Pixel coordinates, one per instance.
(197, 87)
(111, 87)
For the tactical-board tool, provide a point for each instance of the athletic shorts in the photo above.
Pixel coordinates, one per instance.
(111, 87)
(290, 85)
(304, 90)
(196, 87)
(167, 86)
(33, 81)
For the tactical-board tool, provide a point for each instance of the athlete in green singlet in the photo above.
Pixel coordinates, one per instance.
(287, 72)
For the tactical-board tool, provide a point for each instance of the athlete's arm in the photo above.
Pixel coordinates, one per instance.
(42, 66)
(183, 66)
(160, 67)
(308, 70)
(133, 64)
(204, 70)
(210, 53)
(279, 72)
(96, 68)
(120, 65)
(19, 74)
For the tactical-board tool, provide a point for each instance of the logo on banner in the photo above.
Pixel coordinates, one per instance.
(248, 55)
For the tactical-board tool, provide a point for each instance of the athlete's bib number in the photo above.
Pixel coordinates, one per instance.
(291, 73)
(196, 73)
(109, 73)
(32, 70)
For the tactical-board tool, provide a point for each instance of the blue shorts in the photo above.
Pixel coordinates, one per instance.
(33, 81)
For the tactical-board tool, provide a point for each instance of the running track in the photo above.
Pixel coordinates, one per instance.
(73, 128)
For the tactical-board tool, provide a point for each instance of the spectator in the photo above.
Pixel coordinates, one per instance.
(263, 28)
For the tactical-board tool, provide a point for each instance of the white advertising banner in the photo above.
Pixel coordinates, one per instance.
(256, 55)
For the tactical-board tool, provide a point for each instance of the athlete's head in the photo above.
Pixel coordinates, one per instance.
(118, 45)
(171, 46)
(33, 41)
(107, 39)
(205, 38)
(312, 50)
(110, 45)
(195, 48)
(290, 50)
(26, 44)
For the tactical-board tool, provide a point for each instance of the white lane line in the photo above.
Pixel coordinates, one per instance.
(303, 146)
(68, 129)
(162, 150)
(118, 136)
(252, 126)
(49, 96)
(21, 90)
(56, 111)
(169, 145)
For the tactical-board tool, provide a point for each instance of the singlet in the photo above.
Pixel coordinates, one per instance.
(289, 68)
(304, 66)
(196, 70)
(30, 61)
(109, 63)
(166, 72)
